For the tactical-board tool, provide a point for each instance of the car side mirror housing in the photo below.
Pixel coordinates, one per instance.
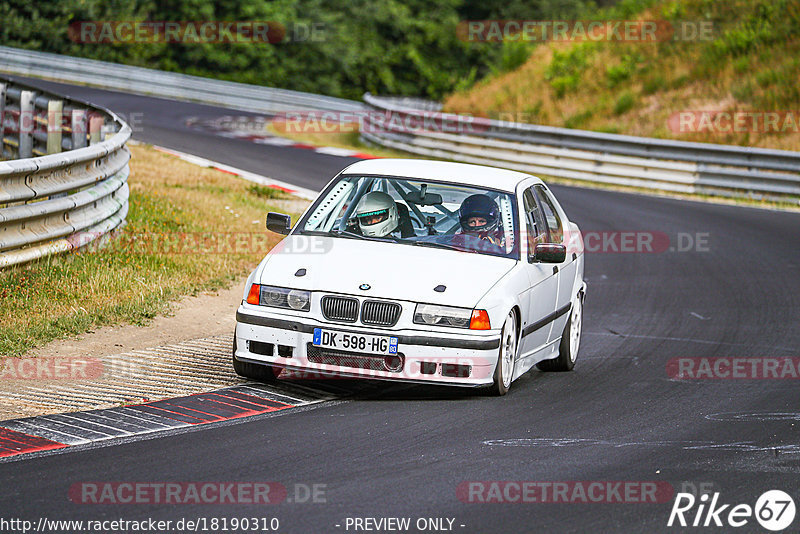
(279, 223)
(550, 253)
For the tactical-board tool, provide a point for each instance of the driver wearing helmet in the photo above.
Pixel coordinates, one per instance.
(377, 214)
(479, 217)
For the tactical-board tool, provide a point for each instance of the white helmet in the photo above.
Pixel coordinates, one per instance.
(377, 214)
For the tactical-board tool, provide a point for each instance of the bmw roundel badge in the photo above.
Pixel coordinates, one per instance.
(364, 287)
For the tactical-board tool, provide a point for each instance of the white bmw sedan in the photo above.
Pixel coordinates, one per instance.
(418, 271)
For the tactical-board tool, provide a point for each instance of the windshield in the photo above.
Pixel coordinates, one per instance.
(416, 212)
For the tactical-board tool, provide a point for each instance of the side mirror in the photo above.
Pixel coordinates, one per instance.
(279, 223)
(550, 253)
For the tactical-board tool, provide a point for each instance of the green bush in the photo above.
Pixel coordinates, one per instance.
(565, 69)
(625, 103)
(741, 65)
(654, 84)
(759, 23)
(679, 81)
(578, 119)
(616, 74)
(608, 129)
(513, 54)
(742, 91)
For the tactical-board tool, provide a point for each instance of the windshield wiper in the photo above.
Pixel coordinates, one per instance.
(314, 232)
(353, 235)
(436, 244)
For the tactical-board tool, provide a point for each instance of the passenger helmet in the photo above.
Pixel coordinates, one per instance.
(479, 206)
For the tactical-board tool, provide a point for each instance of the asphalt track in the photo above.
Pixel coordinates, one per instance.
(403, 451)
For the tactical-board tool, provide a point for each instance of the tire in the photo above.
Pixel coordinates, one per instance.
(506, 356)
(570, 342)
(254, 371)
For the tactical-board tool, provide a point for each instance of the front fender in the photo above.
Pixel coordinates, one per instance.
(504, 295)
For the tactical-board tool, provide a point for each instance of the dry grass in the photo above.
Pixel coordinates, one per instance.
(189, 229)
(634, 88)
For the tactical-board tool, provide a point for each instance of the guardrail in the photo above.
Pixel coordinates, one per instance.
(721, 170)
(561, 152)
(253, 98)
(66, 184)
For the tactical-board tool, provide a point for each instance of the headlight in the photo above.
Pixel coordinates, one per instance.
(430, 314)
(299, 300)
(283, 297)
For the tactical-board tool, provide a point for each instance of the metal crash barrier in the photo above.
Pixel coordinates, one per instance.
(63, 174)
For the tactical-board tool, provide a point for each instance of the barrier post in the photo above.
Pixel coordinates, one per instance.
(26, 121)
(79, 128)
(55, 120)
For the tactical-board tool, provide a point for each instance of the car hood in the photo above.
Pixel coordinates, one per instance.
(393, 271)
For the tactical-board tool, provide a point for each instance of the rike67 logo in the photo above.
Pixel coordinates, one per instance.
(774, 510)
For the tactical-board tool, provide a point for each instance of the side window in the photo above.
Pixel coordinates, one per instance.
(537, 231)
(554, 223)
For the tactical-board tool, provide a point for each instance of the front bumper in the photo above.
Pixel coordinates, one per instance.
(465, 359)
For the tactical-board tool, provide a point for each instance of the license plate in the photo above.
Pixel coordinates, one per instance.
(355, 342)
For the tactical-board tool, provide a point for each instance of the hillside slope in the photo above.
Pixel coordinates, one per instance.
(739, 85)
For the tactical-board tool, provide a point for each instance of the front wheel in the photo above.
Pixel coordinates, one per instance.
(262, 373)
(570, 341)
(506, 358)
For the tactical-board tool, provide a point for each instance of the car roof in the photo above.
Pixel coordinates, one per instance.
(442, 171)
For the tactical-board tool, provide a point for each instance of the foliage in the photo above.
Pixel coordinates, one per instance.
(625, 102)
(565, 70)
(624, 70)
(391, 47)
